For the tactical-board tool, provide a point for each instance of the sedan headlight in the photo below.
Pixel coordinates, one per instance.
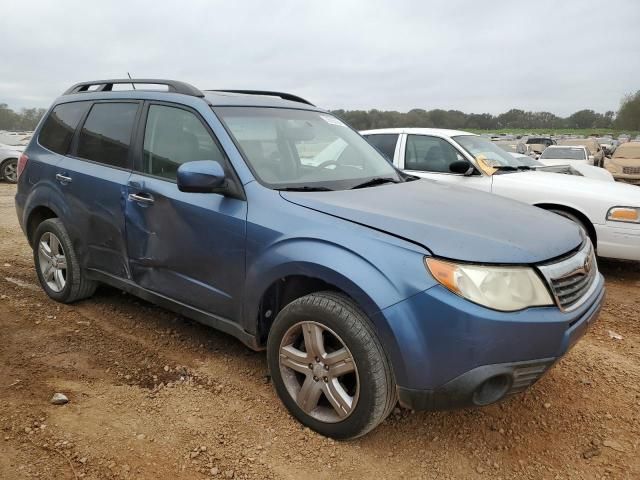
(624, 214)
(501, 288)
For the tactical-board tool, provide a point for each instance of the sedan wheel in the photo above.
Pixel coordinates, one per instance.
(10, 171)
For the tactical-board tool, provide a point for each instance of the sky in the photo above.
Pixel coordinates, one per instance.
(476, 56)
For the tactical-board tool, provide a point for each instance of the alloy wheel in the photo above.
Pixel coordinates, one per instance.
(11, 171)
(52, 262)
(319, 372)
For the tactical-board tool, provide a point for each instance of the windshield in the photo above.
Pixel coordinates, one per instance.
(486, 152)
(301, 149)
(563, 153)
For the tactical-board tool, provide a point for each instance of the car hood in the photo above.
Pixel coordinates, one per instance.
(551, 186)
(452, 222)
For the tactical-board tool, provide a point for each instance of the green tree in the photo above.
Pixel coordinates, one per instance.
(629, 114)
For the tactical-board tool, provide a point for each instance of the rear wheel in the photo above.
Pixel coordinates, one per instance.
(328, 366)
(57, 265)
(9, 170)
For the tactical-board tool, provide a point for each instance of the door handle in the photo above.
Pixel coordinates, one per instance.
(141, 198)
(63, 178)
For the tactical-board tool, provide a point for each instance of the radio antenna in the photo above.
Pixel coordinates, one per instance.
(132, 84)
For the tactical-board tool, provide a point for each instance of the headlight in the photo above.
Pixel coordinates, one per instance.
(624, 214)
(501, 288)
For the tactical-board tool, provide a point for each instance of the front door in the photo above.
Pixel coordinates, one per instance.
(189, 247)
(430, 157)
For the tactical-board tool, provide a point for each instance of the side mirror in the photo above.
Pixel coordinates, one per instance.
(203, 176)
(461, 167)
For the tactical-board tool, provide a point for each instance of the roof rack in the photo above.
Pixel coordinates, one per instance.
(174, 86)
(282, 95)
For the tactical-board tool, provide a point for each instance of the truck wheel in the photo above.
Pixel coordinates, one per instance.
(57, 265)
(328, 366)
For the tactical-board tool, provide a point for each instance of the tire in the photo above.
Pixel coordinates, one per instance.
(69, 283)
(345, 334)
(9, 170)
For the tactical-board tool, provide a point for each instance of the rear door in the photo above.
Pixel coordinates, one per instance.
(385, 143)
(93, 178)
(189, 247)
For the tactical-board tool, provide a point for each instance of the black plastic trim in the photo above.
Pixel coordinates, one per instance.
(459, 392)
(175, 86)
(268, 93)
(219, 323)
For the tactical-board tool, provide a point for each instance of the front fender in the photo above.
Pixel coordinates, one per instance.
(370, 287)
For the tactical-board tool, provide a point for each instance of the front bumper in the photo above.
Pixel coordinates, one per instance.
(621, 177)
(448, 352)
(618, 240)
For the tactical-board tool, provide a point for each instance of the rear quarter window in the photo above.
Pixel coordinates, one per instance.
(58, 129)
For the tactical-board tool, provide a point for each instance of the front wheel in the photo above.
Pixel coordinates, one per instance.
(9, 170)
(328, 366)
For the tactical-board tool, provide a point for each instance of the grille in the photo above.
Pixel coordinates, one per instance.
(526, 375)
(572, 278)
(631, 170)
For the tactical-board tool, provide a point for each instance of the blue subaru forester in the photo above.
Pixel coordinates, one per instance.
(271, 220)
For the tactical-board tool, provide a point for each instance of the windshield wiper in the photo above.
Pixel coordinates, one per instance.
(304, 188)
(375, 181)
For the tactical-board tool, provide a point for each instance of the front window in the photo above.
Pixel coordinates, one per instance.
(302, 149)
(425, 153)
(563, 154)
(487, 154)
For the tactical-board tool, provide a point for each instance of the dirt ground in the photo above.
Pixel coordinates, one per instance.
(154, 396)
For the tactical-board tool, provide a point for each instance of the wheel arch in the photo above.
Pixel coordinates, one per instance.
(36, 216)
(295, 282)
(577, 213)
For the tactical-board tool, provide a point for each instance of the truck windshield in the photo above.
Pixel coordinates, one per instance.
(302, 149)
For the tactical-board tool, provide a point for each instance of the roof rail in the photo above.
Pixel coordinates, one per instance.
(282, 95)
(174, 86)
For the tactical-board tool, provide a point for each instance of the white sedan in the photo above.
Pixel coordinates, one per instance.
(609, 212)
(9, 155)
(565, 154)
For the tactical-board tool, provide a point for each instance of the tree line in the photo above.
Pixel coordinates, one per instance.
(627, 118)
(25, 119)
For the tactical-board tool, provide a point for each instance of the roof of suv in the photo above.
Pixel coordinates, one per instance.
(101, 89)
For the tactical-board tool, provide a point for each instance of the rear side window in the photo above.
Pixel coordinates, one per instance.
(385, 143)
(106, 134)
(58, 128)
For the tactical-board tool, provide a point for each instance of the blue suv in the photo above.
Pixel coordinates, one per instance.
(270, 219)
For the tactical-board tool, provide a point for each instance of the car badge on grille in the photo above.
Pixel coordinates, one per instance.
(587, 264)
